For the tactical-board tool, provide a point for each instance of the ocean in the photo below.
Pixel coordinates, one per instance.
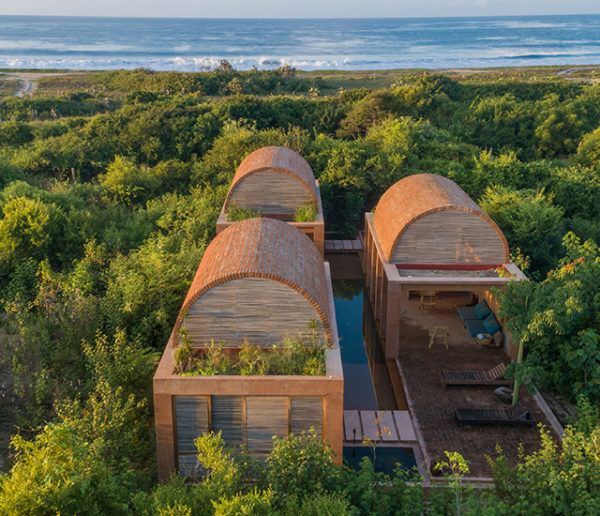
(308, 44)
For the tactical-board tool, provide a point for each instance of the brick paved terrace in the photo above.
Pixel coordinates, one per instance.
(432, 404)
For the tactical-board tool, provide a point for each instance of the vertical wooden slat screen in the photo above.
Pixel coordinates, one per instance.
(192, 420)
(266, 416)
(271, 191)
(227, 417)
(307, 413)
(450, 237)
(235, 311)
(189, 467)
(191, 417)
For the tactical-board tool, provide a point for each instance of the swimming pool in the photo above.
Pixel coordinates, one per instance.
(367, 385)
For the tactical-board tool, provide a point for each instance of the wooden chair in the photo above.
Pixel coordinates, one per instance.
(427, 299)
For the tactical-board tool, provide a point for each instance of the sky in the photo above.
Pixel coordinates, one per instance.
(297, 8)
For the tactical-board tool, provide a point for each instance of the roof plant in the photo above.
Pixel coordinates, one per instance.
(294, 356)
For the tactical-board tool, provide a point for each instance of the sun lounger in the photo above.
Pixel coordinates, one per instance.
(511, 416)
(494, 376)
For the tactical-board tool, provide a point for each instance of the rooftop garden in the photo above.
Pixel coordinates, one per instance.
(295, 356)
(305, 213)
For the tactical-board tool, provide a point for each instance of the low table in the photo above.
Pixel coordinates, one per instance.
(438, 331)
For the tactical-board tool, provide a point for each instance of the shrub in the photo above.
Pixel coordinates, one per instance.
(300, 466)
(293, 357)
(318, 505)
(235, 213)
(255, 503)
(126, 183)
(306, 213)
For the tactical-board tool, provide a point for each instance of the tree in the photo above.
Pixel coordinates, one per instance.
(588, 151)
(561, 479)
(557, 321)
(126, 183)
(530, 221)
(80, 464)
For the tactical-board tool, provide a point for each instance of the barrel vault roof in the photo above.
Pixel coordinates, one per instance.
(416, 196)
(281, 159)
(263, 248)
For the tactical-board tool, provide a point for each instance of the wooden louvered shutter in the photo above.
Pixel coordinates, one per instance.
(307, 413)
(266, 416)
(227, 417)
(191, 416)
(189, 467)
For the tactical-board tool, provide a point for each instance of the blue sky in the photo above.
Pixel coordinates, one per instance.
(297, 8)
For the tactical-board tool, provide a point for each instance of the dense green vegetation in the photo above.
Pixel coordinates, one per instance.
(292, 357)
(110, 186)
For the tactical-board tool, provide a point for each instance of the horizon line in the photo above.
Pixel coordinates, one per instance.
(296, 18)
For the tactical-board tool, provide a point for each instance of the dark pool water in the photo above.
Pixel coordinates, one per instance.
(366, 381)
(367, 384)
(386, 459)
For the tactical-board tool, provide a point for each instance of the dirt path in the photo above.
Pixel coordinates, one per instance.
(28, 80)
(566, 74)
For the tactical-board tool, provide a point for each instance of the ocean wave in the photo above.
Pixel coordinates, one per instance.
(533, 25)
(198, 45)
(206, 64)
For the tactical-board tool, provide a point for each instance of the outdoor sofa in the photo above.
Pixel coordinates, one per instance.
(479, 319)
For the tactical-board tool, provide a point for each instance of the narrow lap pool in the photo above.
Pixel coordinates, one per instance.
(367, 385)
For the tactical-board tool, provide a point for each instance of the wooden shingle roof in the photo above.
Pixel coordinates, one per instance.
(263, 248)
(281, 159)
(416, 196)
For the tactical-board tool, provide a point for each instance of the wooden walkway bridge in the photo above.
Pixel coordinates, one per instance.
(392, 427)
(344, 246)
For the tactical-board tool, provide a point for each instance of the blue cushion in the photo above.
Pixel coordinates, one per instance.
(466, 312)
(474, 326)
(491, 324)
(482, 310)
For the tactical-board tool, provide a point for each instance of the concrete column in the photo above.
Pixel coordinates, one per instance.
(334, 421)
(395, 304)
(165, 436)
(319, 237)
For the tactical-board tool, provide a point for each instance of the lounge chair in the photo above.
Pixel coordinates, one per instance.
(493, 376)
(511, 416)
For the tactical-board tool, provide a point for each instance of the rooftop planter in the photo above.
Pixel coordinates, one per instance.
(293, 357)
(276, 182)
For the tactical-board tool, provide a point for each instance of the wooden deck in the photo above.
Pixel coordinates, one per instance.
(392, 427)
(344, 246)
